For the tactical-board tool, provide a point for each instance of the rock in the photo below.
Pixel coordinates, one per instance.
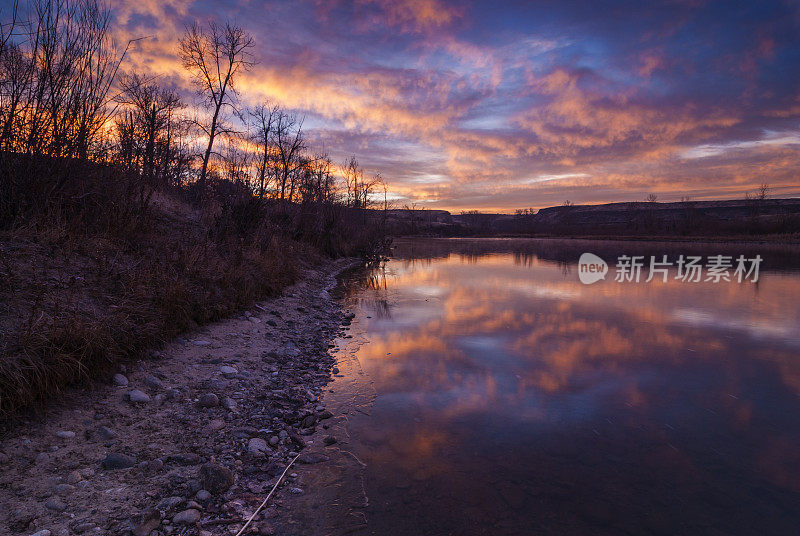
(63, 489)
(202, 495)
(308, 421)
(312, 458)
(55, 504)
(42, 458)
(74, 477)
(213, 426)
(216, 478)
(120, 380)
(168, 503)
(228, 403)
(257, 447)
(153, 383)
(83, 526)
(65, 434)
(335, 370)
(185, 458)
(116, 460)
(273, 441)
(325, 415)
(296, 491)
(137, 397)
(43, 532)
(200, 343)
(228, 371)
(208, 400)
(329, 440)
(106, 433)
(146, 522)
(186, 517)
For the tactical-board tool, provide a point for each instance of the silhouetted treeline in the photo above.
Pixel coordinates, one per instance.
(66, 100)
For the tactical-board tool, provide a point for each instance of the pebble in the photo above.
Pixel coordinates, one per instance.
(116, 460)
(121, 380)
(228, 371)
(257, 447)
(42, 458)
(54, 503)
(228, 403)
(216, 478)
(74, 477)
(208, 400)
(186, 517)
(63, 489)
(202, 495)
(65, 434)
(137, 397)
(106, 433)
(43, 532)
(153, 383)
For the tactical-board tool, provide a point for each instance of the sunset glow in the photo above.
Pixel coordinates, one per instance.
(480, 106)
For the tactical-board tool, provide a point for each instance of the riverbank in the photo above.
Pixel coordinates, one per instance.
(190, 440)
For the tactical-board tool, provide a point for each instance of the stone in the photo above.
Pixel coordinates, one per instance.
(65, 434)
(116, 460)
(63, 489)
(186, 517)
(202, 495)
(185, 458)
(312, 458)
(120, 380)
(257, 447)
(137, 397)
(43, 532)
(208, 400)
(228, 403)
(329, 440)
(153, 383)
(74, 477)
(106, 433)
(215, 478)
(214, 425)
(55, 504)
(325, 415)
(81, 527)
(273, 441)
(168, 503)
(228, 371)
(146, 522)
(309, 421)
(42, 458)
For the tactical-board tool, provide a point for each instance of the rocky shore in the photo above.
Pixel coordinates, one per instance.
(191, 440)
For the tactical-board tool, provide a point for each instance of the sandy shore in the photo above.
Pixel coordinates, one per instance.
(191, 440)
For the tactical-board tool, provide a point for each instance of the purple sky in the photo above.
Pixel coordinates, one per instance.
(498, 106)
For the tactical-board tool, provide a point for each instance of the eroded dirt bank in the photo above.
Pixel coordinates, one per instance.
(190, 441)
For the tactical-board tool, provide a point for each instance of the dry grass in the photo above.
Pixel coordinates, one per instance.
(73, 302)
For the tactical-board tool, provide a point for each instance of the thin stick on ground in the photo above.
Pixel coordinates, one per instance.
(266, 500)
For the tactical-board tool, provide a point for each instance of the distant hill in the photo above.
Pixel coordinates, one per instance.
(684, 218)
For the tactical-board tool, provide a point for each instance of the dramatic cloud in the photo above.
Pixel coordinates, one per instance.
(496, 107)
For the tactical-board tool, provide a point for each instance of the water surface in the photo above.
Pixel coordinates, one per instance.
(496, 394)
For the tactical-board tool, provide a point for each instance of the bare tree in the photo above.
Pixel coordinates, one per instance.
(651, 198)
(289, 144)
(149, 121)
(215, 56)
(264, 118)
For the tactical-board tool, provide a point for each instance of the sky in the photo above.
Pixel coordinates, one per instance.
(498, 106)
